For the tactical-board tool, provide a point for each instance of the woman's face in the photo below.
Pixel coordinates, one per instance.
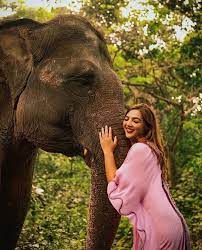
(133, 125)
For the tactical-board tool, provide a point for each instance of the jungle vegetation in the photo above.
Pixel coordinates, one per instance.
(156, 51)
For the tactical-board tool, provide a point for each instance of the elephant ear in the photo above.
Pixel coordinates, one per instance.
(16, 55)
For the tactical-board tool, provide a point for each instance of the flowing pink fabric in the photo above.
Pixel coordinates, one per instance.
(137, 192)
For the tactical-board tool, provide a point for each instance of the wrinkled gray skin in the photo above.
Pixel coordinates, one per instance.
(57, 89)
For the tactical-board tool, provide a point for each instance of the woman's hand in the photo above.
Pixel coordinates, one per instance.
(107, 143)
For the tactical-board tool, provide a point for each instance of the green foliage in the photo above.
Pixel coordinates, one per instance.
(157, 68)
(187, 194)
(57, 216)
(106, 12)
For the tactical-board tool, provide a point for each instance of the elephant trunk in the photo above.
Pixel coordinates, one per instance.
(103, 219)
(102, 216)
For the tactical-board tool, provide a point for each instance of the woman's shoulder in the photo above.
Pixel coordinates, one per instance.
(139, 149)
(140, 146)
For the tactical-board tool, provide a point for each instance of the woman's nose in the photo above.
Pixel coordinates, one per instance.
(129, 123)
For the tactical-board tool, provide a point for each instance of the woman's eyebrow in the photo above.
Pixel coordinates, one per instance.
(133, 117)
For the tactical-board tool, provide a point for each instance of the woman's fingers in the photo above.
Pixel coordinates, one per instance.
(110, 132)
(106, 140)
(100, 136)
(115, 140)
(106, 132)
(102, 131)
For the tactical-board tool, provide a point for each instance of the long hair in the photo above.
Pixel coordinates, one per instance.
(152, 135)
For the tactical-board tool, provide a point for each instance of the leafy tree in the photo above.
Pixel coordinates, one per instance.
(157, 67)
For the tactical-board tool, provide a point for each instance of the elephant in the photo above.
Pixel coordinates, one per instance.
(58, 88)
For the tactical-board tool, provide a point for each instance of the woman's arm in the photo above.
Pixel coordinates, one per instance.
(108, 145)
(110, 166)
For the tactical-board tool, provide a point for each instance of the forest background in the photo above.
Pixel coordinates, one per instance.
(156, 51)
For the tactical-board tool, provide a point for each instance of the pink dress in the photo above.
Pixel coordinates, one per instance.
(138, 192)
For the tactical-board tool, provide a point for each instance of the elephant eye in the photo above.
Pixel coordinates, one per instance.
(86, 78)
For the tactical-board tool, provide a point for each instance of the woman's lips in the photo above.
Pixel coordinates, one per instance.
(130, 131)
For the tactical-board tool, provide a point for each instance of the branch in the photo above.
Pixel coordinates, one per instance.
(115, 54)
(177, 65)
(175, 77)
(152, 94)
(165, 100)
(187, 112)
(145, 85)
(157, 82)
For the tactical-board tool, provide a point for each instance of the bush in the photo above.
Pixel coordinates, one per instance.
(187, 194)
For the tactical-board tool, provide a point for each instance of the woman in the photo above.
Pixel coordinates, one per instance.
(137, 189)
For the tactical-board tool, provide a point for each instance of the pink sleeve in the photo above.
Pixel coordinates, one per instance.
(131, 181)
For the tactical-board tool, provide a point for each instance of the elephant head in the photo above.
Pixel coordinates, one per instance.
(57, 89)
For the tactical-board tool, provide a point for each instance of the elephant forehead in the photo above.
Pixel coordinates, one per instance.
(48, 75)
(69, 65)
